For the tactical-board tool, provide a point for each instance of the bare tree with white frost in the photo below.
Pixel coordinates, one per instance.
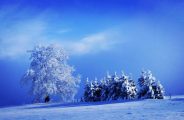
(50, 75)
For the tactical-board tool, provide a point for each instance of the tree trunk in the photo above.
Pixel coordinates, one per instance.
(47, 99)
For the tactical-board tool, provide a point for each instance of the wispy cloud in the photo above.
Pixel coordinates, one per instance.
(16, 39)
(22, 36)
(93, 43)
(20, 32)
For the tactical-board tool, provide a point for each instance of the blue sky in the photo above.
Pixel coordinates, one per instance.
(99, 35)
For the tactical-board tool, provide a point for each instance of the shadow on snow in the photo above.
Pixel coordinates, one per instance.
(177, 99)
(64, 105)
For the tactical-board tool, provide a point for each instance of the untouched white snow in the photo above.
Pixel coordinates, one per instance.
(167, 109)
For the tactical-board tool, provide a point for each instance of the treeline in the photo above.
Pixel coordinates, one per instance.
(114, 87)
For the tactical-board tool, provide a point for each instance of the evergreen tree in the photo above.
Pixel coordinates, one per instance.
(158, 90)
(109, 86)
(123, 87)
(149, 86)
(133, 89)
(115, 88)
(87, 91)
(97, 91)
(129, 90)
(91, 92)
(104, 90)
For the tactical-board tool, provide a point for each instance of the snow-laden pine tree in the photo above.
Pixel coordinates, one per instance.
(128, 89)
(108, 91)
(87, 91)
(105, 88)
(114, 92)
(116, 87)
(49, 74)
(92, 92)
(97, 91)
(133, 89)
(149, 87)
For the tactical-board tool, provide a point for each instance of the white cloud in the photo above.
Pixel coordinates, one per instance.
(15, 40)
(92, 43)
(18, 36)
(63, 31)
(16, 45)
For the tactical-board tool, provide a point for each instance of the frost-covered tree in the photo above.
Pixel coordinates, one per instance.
(133, 89)
(87, 91)
(149, 87)
(108, 86)
(158, 90)
(97, 91)
(49, 74)
(92, 92)
(104, 90)
(112, 87)
(128, 89)
(115, 87)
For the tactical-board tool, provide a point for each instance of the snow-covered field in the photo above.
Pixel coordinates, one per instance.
(167, 109)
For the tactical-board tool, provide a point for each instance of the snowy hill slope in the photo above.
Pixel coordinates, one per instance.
(167, 109)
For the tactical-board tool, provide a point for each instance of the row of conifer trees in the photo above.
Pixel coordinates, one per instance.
(114, 87)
